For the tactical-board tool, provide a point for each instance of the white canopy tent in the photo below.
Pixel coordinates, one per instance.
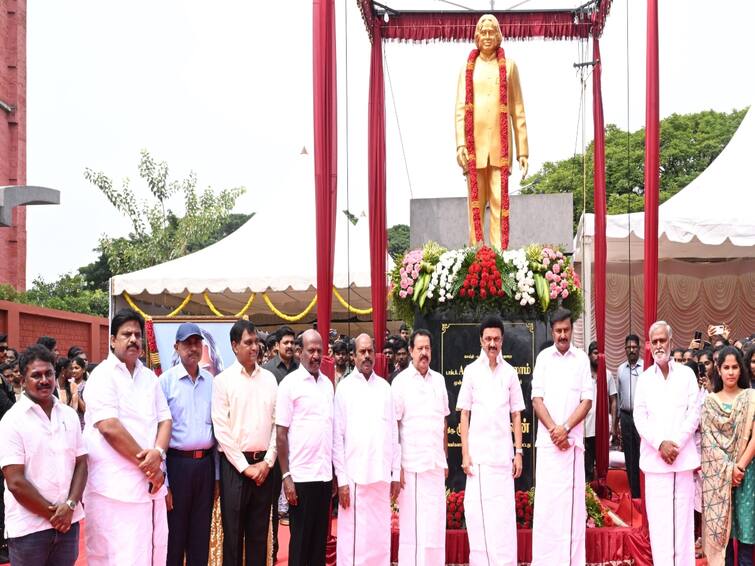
(273, 253)
(706, 252)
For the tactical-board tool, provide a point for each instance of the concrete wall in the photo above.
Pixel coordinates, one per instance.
(25, 323)
(13, 135)
(544, 219)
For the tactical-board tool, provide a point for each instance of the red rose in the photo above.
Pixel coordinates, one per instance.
(483, 294)
(462, 292)
(471, 292)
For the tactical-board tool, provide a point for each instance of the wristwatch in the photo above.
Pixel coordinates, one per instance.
(71, 504)
(567, 427)
(161, 451)
(286, 475)
(519, 451)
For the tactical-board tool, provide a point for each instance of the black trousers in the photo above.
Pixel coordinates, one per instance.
(276, 479)
(308, 522)
(589, 458)
(192, 484)
(245, 510)
(630, 440)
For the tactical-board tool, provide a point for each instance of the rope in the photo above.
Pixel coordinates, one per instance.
(348, 307)
(398, 124)
(288, 317)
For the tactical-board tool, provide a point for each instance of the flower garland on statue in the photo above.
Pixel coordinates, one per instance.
(469, 140)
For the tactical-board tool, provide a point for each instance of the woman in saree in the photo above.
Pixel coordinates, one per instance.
(728, 447)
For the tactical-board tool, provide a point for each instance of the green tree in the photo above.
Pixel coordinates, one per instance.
(398, 240)
(689, 143)
(158, 233)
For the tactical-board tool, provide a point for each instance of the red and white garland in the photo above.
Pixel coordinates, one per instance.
(469, 140)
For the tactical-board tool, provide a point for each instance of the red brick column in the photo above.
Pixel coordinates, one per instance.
(13, 135)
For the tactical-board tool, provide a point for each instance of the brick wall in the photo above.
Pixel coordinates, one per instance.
(25, 323)
(13, 135)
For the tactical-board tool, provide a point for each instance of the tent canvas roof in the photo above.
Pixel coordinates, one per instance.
(709, 218)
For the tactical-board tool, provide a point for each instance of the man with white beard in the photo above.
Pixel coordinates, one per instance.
(666, 414)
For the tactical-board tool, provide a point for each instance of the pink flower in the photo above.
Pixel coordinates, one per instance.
(410, 290)
(415, 273)
(549, 276)
(402, 294)
(557, 278)
(565, 293)
(556, 267)
(402, 272)
(546, 262)
(554, 294)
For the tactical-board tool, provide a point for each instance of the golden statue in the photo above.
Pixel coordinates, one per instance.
(483, 150)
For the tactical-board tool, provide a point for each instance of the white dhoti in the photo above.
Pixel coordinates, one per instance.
(125, 534)
(422, 519)
(364, 528)
(558, 524)
(669, 501)
(490, 512)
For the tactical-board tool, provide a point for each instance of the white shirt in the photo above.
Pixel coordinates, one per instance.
(667, 409)
(47, 448)
(139, 404)
(305, 406)
(421, 406)
(563, 381)
(365, 432)
(491, 396)
(590, 418)
(243, 413)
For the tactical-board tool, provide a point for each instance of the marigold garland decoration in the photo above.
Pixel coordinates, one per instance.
(469, 140)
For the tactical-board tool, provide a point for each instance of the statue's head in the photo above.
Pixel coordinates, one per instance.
(487, 33)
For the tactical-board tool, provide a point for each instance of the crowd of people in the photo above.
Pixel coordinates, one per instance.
(271, 435)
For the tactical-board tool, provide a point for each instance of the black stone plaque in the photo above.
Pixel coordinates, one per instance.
(456, 344)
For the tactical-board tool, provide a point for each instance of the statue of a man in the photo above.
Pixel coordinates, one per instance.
(488, 96)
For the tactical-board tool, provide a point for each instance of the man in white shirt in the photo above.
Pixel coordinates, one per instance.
(420, 403)
(592, 353)
(627, 374)
(45, 466)
(561, 398)
(666, 414)
(243, 413)
(490, 390)
(127, 430)
(367, 462)
(304, 422)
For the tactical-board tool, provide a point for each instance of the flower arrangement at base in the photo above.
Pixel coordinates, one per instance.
(455, 510)
(528, 281)
(525, 503)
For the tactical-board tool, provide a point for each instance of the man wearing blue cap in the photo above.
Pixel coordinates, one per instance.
(190, 461)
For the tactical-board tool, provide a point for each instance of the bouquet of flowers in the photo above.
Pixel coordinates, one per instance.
(524, 501)
(455, 510)
(482, 279)
(443, 280)
(597, 514)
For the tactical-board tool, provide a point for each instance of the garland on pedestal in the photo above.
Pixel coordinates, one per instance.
(503, 114)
